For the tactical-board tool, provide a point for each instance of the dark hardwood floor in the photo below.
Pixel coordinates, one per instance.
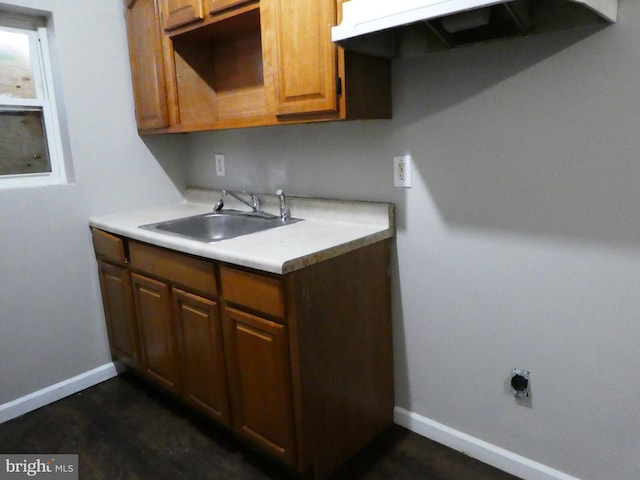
(122, 429)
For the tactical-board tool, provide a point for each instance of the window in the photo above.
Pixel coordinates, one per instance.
(30, 148)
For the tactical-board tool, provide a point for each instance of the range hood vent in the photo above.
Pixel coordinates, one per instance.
(393, 28)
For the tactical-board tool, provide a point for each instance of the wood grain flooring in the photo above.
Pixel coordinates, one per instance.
(124, 430)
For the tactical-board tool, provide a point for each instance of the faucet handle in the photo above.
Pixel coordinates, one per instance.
(255, 202)
(284, 210)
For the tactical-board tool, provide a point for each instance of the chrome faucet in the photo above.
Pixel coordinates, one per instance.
(253, 202)
(285, 214)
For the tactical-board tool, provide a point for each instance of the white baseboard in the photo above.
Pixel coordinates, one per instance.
(55, 392)
(479, 449)
(474, 447)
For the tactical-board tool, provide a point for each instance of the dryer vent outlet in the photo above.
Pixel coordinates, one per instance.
(520, 382)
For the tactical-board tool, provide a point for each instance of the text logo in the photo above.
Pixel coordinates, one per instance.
(45, 466)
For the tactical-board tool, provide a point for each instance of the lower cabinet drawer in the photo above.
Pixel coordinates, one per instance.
(257, 292)
(108, 247)
(179, 268)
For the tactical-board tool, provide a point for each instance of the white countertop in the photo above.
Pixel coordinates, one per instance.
(330, 228)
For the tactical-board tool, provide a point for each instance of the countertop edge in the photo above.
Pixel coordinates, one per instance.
(321, 256)
(264, 251)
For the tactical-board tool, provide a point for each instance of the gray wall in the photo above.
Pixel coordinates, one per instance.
(51, 323)
(518, 245)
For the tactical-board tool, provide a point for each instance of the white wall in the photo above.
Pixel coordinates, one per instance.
(51, 322)
(518, 245)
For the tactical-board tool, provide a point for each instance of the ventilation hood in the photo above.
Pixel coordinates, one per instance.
(374, 26)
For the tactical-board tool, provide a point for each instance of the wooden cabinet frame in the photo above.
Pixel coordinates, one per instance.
(300, 365)
(218, 64)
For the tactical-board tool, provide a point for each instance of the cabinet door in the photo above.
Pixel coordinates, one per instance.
(260, 382)
(117, 299)
(306, 65)
(204, 381)
(217, 5)
(182, 12)
(157, 332)
(147, 64)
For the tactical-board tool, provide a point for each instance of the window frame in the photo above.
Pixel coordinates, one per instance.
(45, 101)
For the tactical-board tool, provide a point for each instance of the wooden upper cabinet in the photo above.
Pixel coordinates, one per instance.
(147, 63)
(218, 5)
(305, 58)
(218, 64)
(182, 12)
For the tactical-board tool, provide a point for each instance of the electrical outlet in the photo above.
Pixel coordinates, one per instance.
(219, 164)
(520, 382)
(402, 171)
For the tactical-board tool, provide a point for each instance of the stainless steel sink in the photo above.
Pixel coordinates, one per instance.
(216, 226)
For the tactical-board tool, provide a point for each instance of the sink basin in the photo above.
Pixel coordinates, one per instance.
(216, 226)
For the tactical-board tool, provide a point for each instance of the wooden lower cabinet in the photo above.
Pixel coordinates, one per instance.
(260, 382)
(117, 300)
(157, 331)
(339, 319)
(203, 371)
(299, 365)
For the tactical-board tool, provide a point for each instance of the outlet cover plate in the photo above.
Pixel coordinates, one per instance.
(219, 157)
(402, 171)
